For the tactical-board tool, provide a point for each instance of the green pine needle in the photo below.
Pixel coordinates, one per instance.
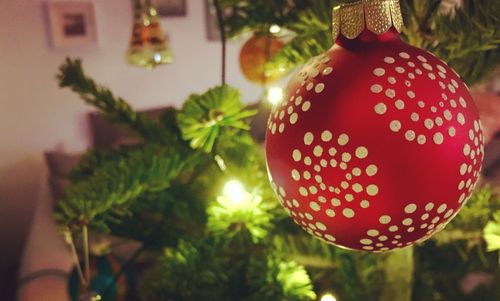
(117, 181)
(272, 278)
(228, 219)
(72, 76)
(204, 117)
(492, 233)
(192, 271)
(468, 39)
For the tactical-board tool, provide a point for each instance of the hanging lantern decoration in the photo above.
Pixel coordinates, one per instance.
(254, 55)
(149, 47)
(377, 144)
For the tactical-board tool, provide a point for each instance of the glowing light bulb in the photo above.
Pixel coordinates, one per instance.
(157, 57)
(274, 28)
(328, 297)
(234, 191)
(274, 95)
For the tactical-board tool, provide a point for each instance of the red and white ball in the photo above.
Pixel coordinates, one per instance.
(376, 146)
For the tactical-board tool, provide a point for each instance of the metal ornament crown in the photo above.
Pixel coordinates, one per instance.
(378, 16)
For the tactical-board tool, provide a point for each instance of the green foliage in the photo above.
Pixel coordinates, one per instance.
(356, 272)
(228, 218)
(71, 76)
(189, 272)
(274, 278)
(313, 30)
(89, 162)
(477, 212)
(467, 39)
(441, 269)
(492, 233)
(117, 181)
(163, 195)
(459, 250)
(204, 116)
(161, 219)
(258, 15)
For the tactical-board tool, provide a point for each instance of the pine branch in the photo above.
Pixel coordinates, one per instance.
(88, 163)
(117, 181)
(273, 278)
(477, 213)
(72, 76)
(204, 117)
(467, 39)
(492, 233)
(192, 271)
(313, 28)
(228, 220)
(258, 15)
(161, 219)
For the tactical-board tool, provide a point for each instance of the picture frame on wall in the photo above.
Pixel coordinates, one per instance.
(72, 24)
(171, 8)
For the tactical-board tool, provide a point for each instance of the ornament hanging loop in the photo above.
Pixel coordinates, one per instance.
(378, 16)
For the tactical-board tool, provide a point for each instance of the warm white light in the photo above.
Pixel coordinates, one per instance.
(328, 297)
(274, 29)
(157, 57)
(234, 191)
(275, 95)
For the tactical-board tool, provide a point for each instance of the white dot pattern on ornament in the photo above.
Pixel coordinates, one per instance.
(288, 112)
(406, 100)
(420, 221)
(388, 235)
(336, 198)
(449, 109)
(473, 152)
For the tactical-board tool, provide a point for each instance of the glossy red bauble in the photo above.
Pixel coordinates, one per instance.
(376, 146)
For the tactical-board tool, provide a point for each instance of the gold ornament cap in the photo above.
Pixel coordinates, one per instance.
(378, 16)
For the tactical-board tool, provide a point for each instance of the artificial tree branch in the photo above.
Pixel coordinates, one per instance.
(116, 109)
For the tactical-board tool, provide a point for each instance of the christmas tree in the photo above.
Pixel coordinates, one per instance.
(195, 193)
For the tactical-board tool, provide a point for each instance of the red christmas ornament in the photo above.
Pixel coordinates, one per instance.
(377, 144)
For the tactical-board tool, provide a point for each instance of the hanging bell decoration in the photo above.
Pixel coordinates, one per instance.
(149, 47)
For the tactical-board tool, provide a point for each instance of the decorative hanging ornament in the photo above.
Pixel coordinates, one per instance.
(377, 144)
(103, 270)
(254, 56)
(149, 47)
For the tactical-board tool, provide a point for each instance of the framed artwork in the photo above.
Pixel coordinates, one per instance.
(213, 33)
(169, 8)
(72, 24)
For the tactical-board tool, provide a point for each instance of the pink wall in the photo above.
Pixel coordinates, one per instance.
(35, 115)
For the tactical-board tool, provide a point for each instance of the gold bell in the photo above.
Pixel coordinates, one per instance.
(149, 47)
